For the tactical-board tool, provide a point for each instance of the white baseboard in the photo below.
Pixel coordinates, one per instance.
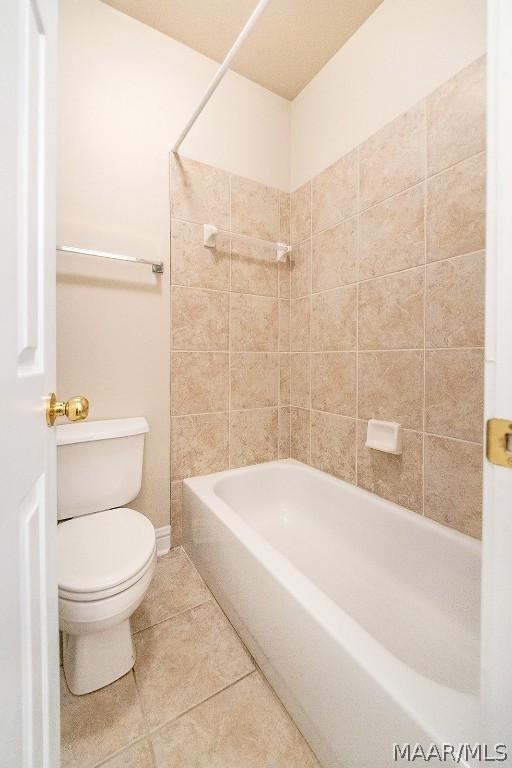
(163, 540)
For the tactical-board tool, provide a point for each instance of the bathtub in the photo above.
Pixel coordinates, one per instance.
(363, 616)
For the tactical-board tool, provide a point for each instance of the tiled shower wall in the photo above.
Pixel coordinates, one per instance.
(230, 313)
(387, 307)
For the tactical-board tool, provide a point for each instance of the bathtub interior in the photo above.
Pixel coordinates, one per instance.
(410, 583)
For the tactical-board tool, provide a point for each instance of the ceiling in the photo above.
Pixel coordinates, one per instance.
(290, 43)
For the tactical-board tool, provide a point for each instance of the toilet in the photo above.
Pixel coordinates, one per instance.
(106, 552)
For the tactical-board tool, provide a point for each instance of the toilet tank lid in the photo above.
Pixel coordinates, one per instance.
(87, 431)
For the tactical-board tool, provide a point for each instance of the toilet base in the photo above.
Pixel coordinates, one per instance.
(93, 661)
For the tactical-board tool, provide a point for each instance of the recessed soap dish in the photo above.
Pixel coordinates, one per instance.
(384, 436)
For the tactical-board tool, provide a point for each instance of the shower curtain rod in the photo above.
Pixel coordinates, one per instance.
(251, 21)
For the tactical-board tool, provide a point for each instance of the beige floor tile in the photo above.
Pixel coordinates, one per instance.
(100, 723)
(185, 660)
(176, 586)
(242, 727)
(137, 756)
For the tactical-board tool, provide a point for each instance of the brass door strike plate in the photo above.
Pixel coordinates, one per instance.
(498, 432)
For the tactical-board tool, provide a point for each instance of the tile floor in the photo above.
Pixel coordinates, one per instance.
(194, 698)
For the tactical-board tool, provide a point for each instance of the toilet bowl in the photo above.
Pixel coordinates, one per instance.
(107, 555)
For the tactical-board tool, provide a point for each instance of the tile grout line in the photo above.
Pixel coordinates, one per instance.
(230, 308)
(344, 350)
(173, 616)
(386, 199)
(425, 255)
(382, 276)
(358, 260)
(406, 429)
(310, 311)
(153, 731)
(122, 749)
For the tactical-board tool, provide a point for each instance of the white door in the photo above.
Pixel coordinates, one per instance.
(497, 529)
(29, 666)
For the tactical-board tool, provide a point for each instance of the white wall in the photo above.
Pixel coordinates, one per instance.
(125, 92)
(402, 52)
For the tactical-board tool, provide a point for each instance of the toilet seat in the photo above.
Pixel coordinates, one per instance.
(103, 554)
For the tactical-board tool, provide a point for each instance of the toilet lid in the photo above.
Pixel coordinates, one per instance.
(99, 551)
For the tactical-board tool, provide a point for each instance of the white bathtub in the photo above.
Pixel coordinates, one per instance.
(363, 616)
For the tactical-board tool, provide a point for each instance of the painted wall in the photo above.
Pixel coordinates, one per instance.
(405, 50)
(387, 306)
(125, 91)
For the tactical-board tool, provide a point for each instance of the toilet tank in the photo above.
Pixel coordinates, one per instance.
(99, 465)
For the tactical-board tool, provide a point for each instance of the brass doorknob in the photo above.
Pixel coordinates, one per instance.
(75, 409)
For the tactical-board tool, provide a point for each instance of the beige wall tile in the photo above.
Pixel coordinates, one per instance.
(254, 208)
(334, 256)
(176, 513)
(254, 379)
(333, 382)
(392, 234)
(334, 193)
(455, 302)
(390, 387)
(456, 210)
(391, 311)
(300, 380)
(456, 118)
(284, 379)
(199, 382)
(194, 265)
(284, 216)
(393, 159)
(454, 389)
(300, 318)
(94, 726)
(176, 587)
(283, 271)
(198, 645)
(300, 434)
(284, 325)
(397, 478)
(254, 267)
(200, 319)
(253, 436)
(333, 319)
(300, 227)
(254, 323)
(284, 433)
(199, 192)
(453, 483)
(333, 445)
(300, 269)
(199, 444)
(245, 725)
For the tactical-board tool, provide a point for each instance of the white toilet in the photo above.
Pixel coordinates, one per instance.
(106, 552)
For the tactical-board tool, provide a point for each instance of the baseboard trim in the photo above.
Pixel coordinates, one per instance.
(163, 540)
